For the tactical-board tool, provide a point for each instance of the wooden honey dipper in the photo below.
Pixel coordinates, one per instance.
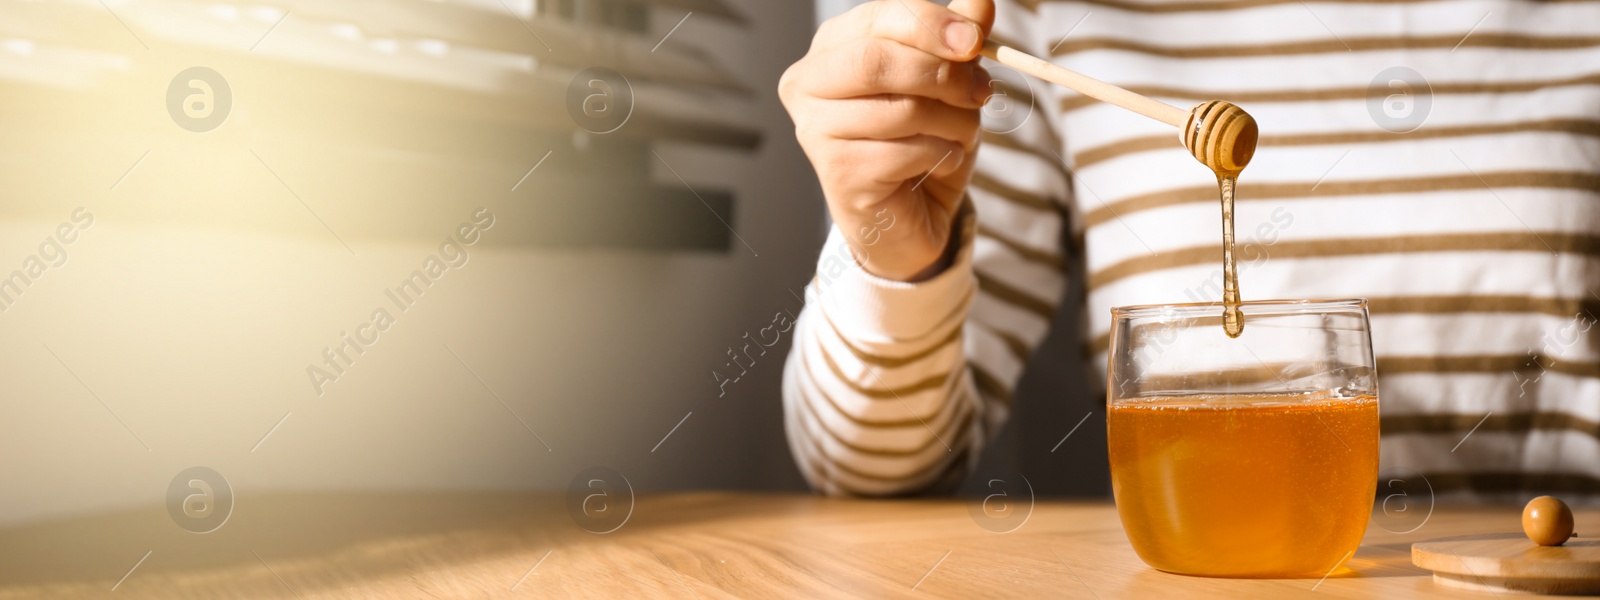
(1219, 134)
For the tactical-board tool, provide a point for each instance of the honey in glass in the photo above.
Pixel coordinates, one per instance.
(1245, 485)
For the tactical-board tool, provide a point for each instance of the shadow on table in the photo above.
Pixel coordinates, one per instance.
(1373, 561)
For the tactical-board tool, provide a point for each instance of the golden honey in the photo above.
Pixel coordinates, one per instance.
(1245, 485)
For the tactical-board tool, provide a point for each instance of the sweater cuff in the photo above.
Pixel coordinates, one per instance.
(872, 309)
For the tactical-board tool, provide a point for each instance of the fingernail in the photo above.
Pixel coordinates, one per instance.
(962, 36)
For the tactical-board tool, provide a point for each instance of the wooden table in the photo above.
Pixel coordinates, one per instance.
(707, 545)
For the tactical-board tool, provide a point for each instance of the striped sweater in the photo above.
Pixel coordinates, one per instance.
(1441, 158)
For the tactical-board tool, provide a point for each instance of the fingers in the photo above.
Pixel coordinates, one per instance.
(889, 117)
(877, 168)
(872, 66)
(885, 105)
(918, 24)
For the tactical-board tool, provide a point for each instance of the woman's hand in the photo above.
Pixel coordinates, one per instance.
(885, 105)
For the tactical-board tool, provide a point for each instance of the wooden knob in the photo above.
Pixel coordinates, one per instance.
(1547, 521)
(1221, 136)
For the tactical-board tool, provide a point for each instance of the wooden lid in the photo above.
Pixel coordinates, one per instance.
(1510, 562)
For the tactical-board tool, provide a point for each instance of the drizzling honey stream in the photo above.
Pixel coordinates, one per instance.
(1223, 136)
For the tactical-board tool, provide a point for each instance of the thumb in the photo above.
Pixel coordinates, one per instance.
(981, 11)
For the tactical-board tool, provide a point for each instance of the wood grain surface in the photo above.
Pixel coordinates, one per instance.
(705, 545)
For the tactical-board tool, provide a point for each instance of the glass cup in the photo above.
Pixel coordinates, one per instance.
(1247, 457)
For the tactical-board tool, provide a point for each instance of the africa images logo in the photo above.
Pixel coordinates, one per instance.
(199, 500)
(199, 99)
